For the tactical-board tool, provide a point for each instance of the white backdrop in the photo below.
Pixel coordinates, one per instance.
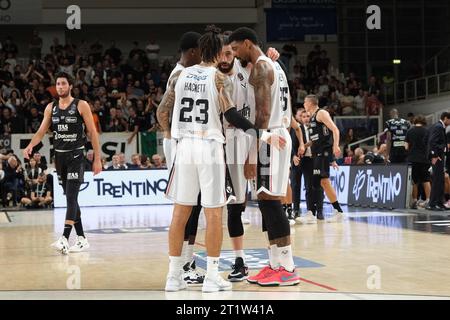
(118, 188)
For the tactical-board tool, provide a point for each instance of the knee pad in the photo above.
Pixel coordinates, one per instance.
(276, 221)
(235, 227)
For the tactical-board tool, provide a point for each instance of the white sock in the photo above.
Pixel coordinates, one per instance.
(175, 265)
(274, 256)
(212, 267)
(240, 254)
(285, 258)
(189, 253)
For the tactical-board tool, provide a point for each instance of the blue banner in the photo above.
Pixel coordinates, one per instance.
(293, 25)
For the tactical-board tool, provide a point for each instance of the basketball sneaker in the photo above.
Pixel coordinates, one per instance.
(216, 284)
(175, 283)
(245, 220)
(263, 273)
(61, 245)
(240, 271)
(336, 217)
(280, 277)
(191, 274)
(307, 218)
(80, 245)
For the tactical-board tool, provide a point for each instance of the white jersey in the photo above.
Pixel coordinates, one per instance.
(196, 112)
(178, 67)
(243, 98)
(280, 113)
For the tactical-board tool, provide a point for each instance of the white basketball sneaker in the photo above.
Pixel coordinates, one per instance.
(336, 217)
(245, 220)
(175, 283)
(61, 245)
(80, 245)
(307, 218)
(216, 284)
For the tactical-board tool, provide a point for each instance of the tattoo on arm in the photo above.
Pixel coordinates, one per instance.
(262, 78)
(165, 108)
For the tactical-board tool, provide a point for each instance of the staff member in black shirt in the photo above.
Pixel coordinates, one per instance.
(437, 144)
(415, 144)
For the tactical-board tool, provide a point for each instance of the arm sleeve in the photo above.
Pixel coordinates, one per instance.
(237, 120)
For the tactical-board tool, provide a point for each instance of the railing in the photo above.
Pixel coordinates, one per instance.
(375, 138)
(417, 89)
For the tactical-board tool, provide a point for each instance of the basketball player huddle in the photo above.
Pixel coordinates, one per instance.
(225, 116)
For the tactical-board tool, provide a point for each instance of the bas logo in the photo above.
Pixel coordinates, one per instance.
(62, 127)
(72, 175)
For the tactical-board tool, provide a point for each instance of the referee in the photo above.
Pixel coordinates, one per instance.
(67, 117)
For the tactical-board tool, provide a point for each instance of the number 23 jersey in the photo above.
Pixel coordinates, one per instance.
(196, 112)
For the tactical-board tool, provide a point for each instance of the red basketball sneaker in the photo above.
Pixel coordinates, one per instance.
(281, 277)
(265, 272)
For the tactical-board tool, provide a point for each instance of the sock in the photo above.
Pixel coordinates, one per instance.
(337, 206)
(212, 267)
(240, 254)
(175, 265)
(274, 257)
(67, 230)
(79, 228)
(286, 259)
(189, 253)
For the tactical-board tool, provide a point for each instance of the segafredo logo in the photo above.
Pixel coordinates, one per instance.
(380, 188)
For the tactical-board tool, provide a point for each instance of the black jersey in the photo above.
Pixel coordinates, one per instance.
(398, 128)
(68, 127)
(320, 135)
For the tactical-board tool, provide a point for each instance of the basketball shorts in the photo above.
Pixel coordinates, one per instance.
(169, 148)
(237, 149)
(199, 166)
(70, 166)
(273, 166)
(321, 164)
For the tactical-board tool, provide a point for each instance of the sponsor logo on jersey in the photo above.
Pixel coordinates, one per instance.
(72, 176)
(66, 137)
(71, 120)
(72, 111)
(55, 120)
(240, 76)
(63, 127)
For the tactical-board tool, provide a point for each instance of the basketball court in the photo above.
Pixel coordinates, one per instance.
(374, 254)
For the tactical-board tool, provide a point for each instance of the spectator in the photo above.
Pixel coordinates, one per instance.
(133, 124)
(347, 103)
(89, 160)
(114, 52)
(135, 162)
(32, 172)
(35, 46)
(152, 51)
(10, 48)
(115, 163)
(145, 162)
(157, 163)
(34, 120)
(41, 194)
(40, 161)
(360, 103)
(123, 161)
(10, 184)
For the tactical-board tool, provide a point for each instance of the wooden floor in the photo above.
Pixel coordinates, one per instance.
(372, 255)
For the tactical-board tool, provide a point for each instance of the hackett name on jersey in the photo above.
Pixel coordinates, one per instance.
(195, 87)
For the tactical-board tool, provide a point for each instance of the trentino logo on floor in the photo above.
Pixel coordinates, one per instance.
(254, 258)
